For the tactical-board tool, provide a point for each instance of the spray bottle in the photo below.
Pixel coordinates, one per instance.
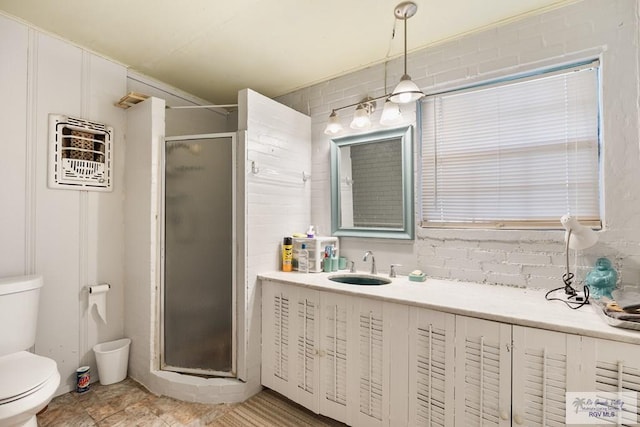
(287, 254)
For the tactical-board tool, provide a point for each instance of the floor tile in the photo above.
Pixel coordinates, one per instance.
(128, 403)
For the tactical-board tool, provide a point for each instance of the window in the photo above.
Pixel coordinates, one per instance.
(514, 154)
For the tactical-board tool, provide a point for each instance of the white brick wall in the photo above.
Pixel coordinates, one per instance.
(607, 29)
(277, 204)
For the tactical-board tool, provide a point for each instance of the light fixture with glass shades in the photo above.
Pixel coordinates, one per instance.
(405, 92)
(391, 114)
(333, 125)
(361, 117)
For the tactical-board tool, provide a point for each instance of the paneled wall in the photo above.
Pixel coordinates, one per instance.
(72, 238)
(582, 30)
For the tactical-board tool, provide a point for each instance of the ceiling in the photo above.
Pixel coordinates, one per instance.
(212, 48)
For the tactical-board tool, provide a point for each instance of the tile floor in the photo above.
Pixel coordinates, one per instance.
(126, 404)
(129, 404)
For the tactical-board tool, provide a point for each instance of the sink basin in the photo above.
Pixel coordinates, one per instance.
(360, 279)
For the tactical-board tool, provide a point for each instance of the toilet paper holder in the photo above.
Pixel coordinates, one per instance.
(98, 298)
(99, 288)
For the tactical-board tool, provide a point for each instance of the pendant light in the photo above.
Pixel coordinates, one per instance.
(406, 91)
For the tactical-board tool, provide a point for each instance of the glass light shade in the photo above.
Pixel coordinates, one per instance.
(360, 118)
(406, 91)
(581, 237)
(391, 114)
(333, 125)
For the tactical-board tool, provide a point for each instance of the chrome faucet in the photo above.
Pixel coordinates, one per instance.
(373, 261)
(392, 270)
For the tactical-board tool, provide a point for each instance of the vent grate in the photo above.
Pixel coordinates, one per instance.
(80, 154)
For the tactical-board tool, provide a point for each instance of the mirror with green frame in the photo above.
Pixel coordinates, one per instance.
(372, 184)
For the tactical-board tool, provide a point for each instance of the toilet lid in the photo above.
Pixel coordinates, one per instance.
(22, 372)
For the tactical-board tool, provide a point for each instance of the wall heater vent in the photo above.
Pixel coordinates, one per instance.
(80, 154)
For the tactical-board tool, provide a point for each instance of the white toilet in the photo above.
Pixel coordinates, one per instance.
(27, 381)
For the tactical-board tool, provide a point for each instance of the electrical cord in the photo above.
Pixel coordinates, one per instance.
(574, 305)
(567, 279)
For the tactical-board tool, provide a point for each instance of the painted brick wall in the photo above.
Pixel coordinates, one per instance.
(607, 30)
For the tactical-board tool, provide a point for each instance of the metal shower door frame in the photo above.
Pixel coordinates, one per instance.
(234, 147)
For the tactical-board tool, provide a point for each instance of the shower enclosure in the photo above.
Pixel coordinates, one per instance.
(191, 239)
(198, 282)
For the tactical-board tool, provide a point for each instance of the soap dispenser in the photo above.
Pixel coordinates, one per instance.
(310, 232)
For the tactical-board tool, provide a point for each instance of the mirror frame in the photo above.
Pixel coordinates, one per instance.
(406, 232)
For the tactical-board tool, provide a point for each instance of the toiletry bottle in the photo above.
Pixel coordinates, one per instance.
(310, 232)
(287, 254)
(326, 260)
(303, 259)
(334, 259)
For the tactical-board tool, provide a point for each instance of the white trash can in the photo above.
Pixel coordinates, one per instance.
(112, 358)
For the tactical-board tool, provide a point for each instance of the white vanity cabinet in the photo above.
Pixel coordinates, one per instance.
(290, 330)
(546, 364)
(378, 380)
(276, 321)
(331, 353)
(336, 322)
(611, 367)
(513, 375)
(431, 367)
(482, 373)
(367, 361)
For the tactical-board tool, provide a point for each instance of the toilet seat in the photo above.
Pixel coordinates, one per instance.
(24, 373)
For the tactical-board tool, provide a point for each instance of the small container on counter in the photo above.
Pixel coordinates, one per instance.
(287, 254)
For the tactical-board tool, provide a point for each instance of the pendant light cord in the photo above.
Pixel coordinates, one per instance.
(405, 43)
(386, 57)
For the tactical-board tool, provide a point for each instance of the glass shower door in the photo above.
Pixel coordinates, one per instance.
(198, 295)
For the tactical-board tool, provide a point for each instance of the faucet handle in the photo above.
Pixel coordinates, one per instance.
(353, 267)
(392, 270)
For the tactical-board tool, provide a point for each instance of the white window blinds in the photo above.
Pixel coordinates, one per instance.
(515, 154)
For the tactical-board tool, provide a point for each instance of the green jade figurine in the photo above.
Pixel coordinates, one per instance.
(602, 279)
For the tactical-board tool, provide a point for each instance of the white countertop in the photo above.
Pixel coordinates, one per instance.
(518, 306)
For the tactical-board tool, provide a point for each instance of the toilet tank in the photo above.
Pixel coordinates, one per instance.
(18, 312)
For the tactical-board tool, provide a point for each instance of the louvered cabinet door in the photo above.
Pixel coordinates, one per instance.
(277, 312)
(306, 328)
(611, 366)
(483, 373)
(431, 367)
(546, 365)
(369, 381)
(334, 354)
